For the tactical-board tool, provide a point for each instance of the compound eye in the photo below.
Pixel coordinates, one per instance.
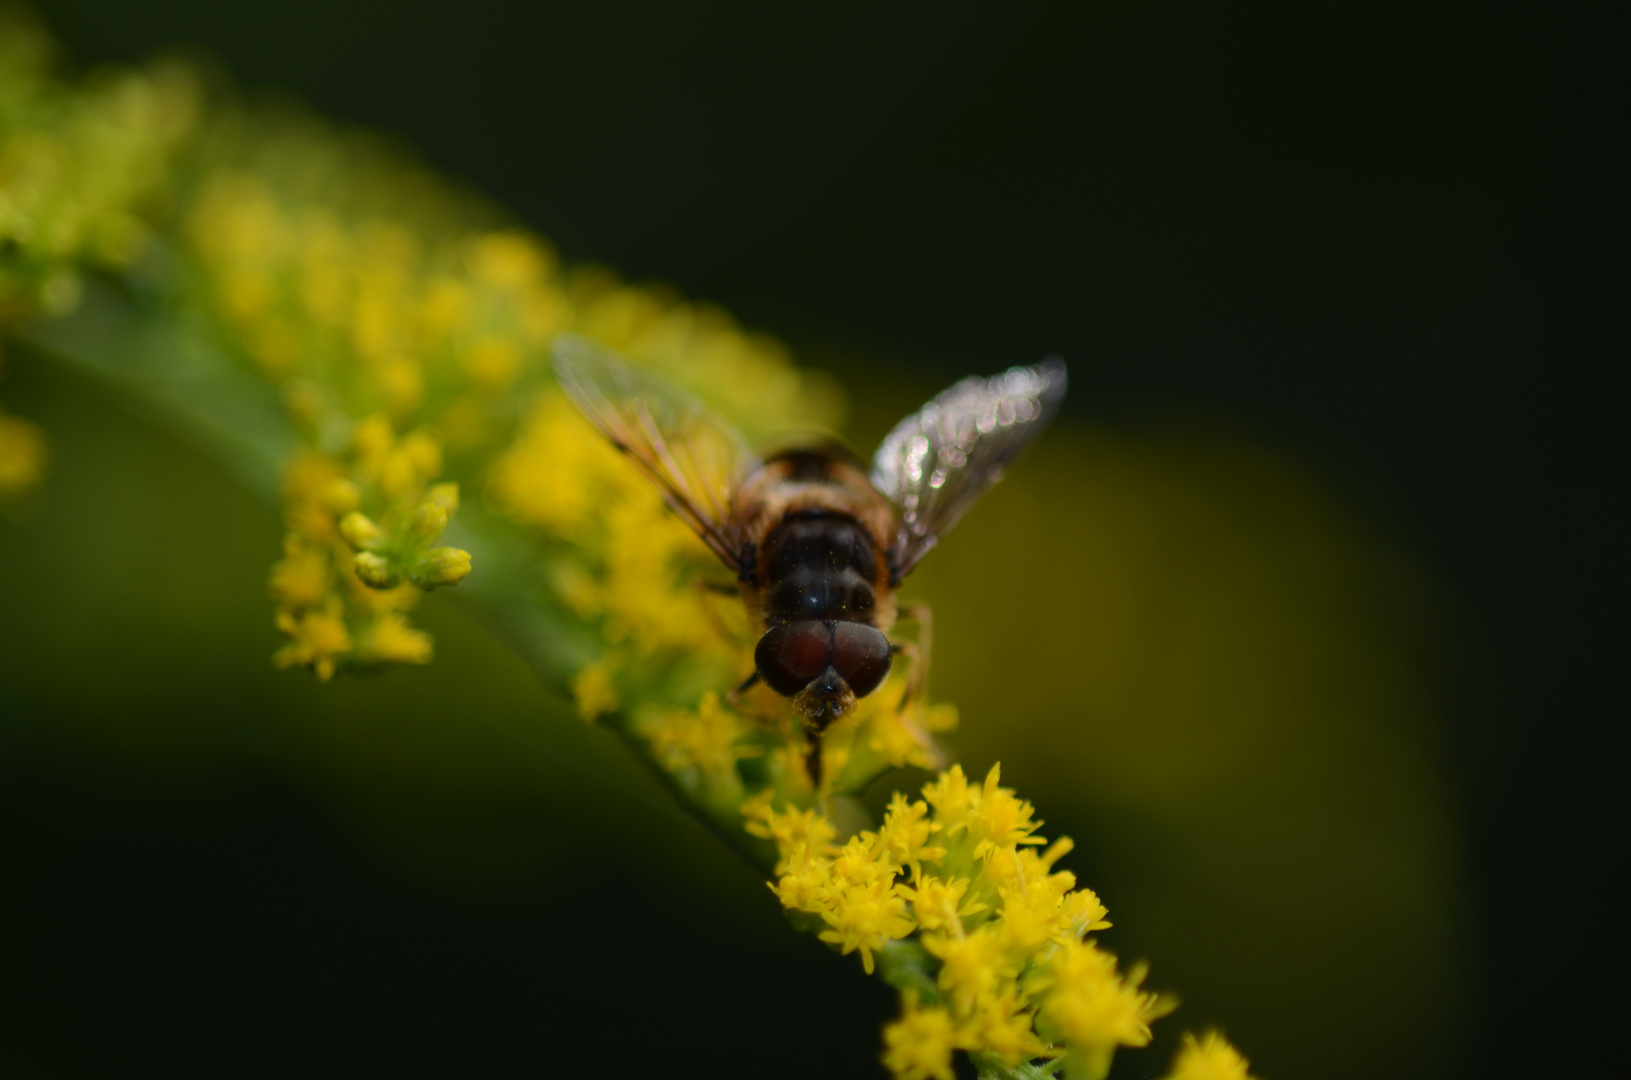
(861, 655)
(792, 656)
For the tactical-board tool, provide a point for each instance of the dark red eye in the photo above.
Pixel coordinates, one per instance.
(791, 656)
(861, 655)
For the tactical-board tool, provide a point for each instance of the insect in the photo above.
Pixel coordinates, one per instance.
(818, 544)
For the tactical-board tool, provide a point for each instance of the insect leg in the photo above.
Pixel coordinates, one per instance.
(706, 588)
(734, 698)
(917, 680)
(917, 683)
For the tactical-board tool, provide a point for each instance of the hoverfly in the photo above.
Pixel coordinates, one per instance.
(818, 545)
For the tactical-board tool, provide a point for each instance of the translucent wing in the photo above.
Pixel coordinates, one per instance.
(943, 457)
(696, 457)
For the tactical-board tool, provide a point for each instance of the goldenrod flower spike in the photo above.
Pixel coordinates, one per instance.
(405, 349)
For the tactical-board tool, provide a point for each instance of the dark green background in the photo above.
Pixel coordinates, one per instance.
(1360, 234)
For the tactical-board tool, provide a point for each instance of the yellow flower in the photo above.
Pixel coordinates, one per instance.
(999, 819)
(315, 496)
(509, 260)
(939, 717)
(806, 885)
(492, 362)
(865, 917)
(905, 834)
(863, 861)
(302, 577)
(76, 165)
(22, 456)
(320, 639)
(558, 471)
(1002, 1027)
(1082, 913)
(919, 1045)
(1087, 1003)
(952, 799)
(707, 738)
(594, 690)
(804, 833)
(895, 736)
(1208, 1058)
(972, 966)
(390, 640)
(1037, 904)
(402, 384)
(939, 904)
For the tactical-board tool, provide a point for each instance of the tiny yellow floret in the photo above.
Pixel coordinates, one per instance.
(320, 640)
(708, 739)
(301, 578)
(1208, 1058)
(952, 799)
(390, 640)
(594, 689)
(22, 457)
(999, 819)
(1003, 1027)
(973, 966)
(939, 905)
(1088, 1004)
(919, 1045)
(866, 918)
(905, 835)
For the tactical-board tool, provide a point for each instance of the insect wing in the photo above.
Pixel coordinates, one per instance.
(695, 456)
(943, 457)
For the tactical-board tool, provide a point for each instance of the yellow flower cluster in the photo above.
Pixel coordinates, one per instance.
(423, 319)
(702, 746)
(346, 580)
(389, 357)
(79, 167)
(1001, 967)
(635, 563)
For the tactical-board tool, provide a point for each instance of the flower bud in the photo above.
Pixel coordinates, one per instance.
(359, 531)
(341, 496)
(375, 572)
(441, 566)
(444, 495)
(427, 524)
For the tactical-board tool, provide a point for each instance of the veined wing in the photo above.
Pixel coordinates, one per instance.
(695, 456)
(943, 457)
